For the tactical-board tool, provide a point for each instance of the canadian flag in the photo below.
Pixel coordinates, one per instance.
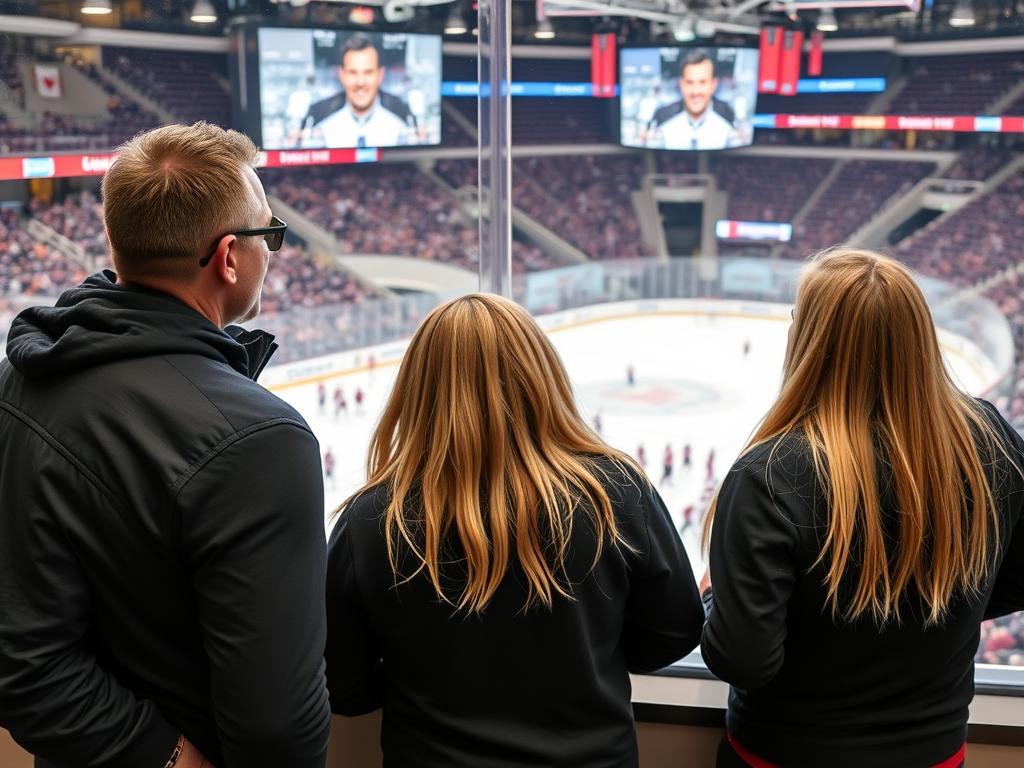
(48, 82)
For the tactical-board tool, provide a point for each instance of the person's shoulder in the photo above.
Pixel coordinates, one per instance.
(623, 481)
(787, 458)
(368, 504)
(360, 519)
(321, 110)
(242, 402)
(396, 106)
(1012, 441)
(724, 110)
(663, 114)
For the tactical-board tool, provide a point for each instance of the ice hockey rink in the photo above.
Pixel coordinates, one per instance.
(694, 385)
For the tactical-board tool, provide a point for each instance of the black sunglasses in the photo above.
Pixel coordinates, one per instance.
(273, 234)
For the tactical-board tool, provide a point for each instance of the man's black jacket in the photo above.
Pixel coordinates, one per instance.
(162, 553)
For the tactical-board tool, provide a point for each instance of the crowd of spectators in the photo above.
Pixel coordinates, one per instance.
(51, 132)
(79, 218)
(29, 267)
(297, 279)
(540, 121)
(816, 104)
(856, 194)
(967, 84)
(978, 163)
(584, 199)
(390, 209)
(188, 85)
(978, 240)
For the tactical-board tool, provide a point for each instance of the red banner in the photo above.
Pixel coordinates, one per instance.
(817, 52)
(285, 158)
(789, 62)
(603, 62)
(957, 123)
(64, 166)
(768, 64)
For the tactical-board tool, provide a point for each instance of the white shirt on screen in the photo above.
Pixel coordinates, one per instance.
(709, 131)
(380, 127)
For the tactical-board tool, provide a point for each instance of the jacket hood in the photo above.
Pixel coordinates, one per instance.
(102, 322)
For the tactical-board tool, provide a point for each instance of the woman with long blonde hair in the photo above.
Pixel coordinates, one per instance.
(502, 570)
(868, 528)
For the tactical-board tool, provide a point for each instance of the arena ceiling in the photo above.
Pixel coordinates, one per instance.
(574, 20)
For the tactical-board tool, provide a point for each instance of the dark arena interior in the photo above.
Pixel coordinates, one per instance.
(546, 150)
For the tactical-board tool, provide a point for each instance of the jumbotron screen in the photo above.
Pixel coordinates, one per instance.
(688, 98)
(332, 89)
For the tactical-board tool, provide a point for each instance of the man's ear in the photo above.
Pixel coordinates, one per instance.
(225, 259)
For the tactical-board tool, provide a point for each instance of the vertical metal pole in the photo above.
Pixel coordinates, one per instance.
(495, 151)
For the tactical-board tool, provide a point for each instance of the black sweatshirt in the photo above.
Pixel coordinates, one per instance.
(808, 690)
(509, 688)
(162, 553)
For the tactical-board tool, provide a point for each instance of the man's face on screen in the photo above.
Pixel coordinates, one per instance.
(698, 85)
(361, 77)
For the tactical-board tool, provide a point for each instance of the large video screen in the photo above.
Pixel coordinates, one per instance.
(688, 98)
(330, 89)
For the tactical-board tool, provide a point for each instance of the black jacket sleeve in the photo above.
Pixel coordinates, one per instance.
(354, 668)
(753, 571)
(252, 530)
(55, 698)
(1008, 592)
(663, 612)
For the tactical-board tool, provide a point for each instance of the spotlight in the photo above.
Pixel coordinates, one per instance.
(545, 30)
(963, 14)
(455, 25)
(96, 7)
(203, 12)
(682, 31)
(827, 21)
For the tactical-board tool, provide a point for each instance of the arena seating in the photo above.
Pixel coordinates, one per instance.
(457, 173)
(295, 279)
(977, 164)
(28, 267)
(185, 84)
(454, 135)
(553, 121)
(1016, 107)
(974, 242)
(816, 104)
(53, 132)
(80, 219)
(9, 74)
(856, 195)
(958, 85)
(390, 209)
(760, 188)
(584, 199)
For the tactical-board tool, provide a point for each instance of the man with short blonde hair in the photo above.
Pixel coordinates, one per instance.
(162, 551)
(190, 174)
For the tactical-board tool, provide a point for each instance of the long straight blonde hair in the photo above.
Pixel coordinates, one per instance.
(864, 382)
(482, 433)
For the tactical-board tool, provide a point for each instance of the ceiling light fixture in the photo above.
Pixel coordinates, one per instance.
(96, 7)
(545, 30)
(455, 25)
(963, 14)
(827, 21)
(203, 12)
